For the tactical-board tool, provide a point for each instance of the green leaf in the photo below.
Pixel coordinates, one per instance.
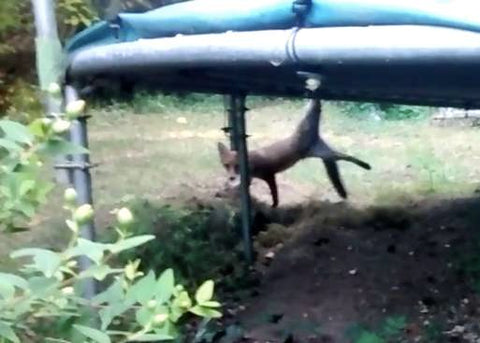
(206, 312)
(7, 333)
(99, 272)
(143, 290)
(37, 127)
(181, 304)
(93, 334)
(61, 147)
(130, 243)
(9, 145)
(165, 286)
(111, 295)
(93, 250)
(211, 304)
(8, 282)
(144, 316)
(205, 292)
(42, 286)
(16, 131)
(45, 261)
(22, 307)
(27, 209)
(152, 338)
(26, 186)
(107, 314)
(14, 280)
(7, 291)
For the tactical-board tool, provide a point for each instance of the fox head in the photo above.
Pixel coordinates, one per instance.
(229, 160)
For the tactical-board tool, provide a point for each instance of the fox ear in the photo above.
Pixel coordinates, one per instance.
(222, 150)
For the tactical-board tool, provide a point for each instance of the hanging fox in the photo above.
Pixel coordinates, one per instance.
(305, 142)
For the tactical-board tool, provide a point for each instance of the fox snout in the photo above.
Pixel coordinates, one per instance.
(233, 182)
(229, 161)
(233, 177)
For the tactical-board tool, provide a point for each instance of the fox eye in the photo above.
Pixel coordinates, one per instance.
(237, 168)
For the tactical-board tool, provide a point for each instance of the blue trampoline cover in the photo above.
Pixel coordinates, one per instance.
(217, 16)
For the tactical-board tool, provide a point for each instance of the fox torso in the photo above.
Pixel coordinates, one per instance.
(305, 142)
(273, 159)
(283, 154)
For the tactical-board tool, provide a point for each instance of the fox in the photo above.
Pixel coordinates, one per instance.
(305, 142)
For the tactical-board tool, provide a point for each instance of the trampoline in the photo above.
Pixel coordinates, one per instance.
(418, 52)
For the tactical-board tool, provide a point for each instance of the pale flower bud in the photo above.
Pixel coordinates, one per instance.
(70, 195)
(54, 89)
(83, 214)
(124, 216)
(131, 268)
(160, 318)
(60, 126)
(47, 122)
(152, 304)
(68, 290)
(75, 108)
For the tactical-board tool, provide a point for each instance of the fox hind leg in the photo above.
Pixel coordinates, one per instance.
(334, 175)
(330, 158)
(272, 184)
(339, 156)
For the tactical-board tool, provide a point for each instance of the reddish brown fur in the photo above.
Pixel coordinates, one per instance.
(305, 142)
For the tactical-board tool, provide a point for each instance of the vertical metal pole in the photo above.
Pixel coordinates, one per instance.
(229, 104)
(237, 108)
(49, 64)
(82, 182)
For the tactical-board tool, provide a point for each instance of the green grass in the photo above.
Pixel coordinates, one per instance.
(167, 153)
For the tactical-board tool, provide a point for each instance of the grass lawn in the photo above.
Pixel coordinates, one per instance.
(160, 156)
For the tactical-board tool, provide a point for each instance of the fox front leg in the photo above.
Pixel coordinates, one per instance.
(272, 184)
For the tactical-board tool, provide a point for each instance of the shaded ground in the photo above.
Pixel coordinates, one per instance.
(413, 265)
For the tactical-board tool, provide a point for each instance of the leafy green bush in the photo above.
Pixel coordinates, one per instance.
(10, 20)
(74, 15)
(402, 112)
(149, 308)
(385, 111)
(43, 301)
(23, 151)
(199, 243)
(18, 97)
(19, 101)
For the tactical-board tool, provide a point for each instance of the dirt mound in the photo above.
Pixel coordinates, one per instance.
(344, 271)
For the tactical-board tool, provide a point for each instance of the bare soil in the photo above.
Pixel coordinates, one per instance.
(328, 268)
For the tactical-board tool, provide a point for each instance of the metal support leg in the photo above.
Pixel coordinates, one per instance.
(82, 182)
(229, 105)
(49, 69)
(237, 110)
